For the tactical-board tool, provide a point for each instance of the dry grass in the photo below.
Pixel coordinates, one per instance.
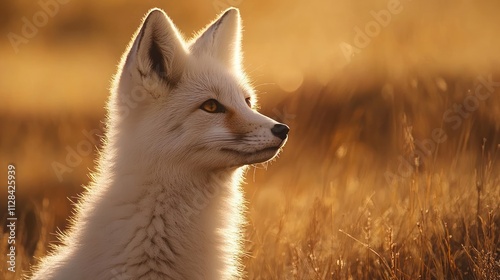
(331, 213)
(354, 195)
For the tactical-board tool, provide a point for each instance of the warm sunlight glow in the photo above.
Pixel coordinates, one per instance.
(289, 80)
(391, 168)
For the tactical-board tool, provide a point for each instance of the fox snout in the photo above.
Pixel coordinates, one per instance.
(280, 130)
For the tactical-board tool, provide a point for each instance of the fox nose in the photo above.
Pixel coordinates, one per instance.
(280, 130)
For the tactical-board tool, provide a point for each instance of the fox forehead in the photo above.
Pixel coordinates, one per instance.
(208, 79)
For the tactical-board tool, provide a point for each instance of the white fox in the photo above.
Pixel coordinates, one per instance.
(165, 202)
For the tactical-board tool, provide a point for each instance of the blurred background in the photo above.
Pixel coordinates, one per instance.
(391, 168)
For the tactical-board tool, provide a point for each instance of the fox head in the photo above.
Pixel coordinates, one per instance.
(189, 101)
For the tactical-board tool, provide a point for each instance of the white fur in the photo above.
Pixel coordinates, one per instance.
(165, 202)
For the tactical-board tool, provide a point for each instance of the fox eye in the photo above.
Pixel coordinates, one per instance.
(212, 106)
(249, 102)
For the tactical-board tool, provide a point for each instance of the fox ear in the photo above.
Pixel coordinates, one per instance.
(158, 49)
(221, 39)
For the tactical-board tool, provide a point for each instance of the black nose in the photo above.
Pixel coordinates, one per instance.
(280, 130)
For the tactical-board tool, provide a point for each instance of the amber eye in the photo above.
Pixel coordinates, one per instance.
(249, 102)
(212, 106)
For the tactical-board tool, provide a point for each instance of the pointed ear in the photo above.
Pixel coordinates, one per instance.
(221, 39)
(158, 49)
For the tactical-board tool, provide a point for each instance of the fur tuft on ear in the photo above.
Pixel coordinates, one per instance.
(221, 40)
(158, 49)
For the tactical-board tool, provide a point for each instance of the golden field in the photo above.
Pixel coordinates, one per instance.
(391, 170)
